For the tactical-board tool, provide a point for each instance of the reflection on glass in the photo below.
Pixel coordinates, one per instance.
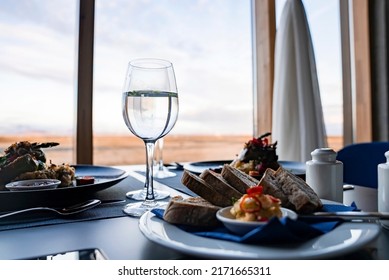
(160, 170)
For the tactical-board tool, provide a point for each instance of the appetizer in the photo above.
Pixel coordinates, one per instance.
(256, 156)
(256, 206)
(25, 160)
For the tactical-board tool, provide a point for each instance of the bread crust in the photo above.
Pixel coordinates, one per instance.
(238, 179)
(293, 191)
(193, 211)
(203, 189)
(216, 181)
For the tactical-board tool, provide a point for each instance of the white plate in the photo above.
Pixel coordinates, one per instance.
(242, 227)
(344, 239)
(34, 184)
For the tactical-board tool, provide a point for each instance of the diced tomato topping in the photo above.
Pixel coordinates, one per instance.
(250, 204)
(256, 142)
(274, 199)
(258, 190)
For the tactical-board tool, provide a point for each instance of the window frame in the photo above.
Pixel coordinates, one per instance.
(84, 96)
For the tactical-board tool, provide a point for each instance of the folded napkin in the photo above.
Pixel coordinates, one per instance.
(276, 230)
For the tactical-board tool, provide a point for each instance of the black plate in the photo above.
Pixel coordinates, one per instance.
(200, 166)
(105, 177)
(297, 168)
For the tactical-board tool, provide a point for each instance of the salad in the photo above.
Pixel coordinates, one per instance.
(256, 206)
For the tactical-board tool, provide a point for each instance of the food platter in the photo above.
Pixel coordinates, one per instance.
(297, 168)
(344, 239)
(105, 177)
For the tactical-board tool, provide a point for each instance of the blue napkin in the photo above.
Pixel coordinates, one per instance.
(276, 230)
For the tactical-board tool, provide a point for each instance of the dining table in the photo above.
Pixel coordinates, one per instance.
(119, 237)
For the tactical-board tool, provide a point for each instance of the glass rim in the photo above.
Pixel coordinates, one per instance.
(150, 63)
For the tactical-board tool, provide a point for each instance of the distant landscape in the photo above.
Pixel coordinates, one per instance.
(122, 150)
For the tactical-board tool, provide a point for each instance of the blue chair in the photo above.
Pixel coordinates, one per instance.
(360, 161)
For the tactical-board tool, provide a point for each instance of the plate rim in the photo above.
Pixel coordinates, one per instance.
(191, 166)
(113, 180)
(229, 250)
(209, 162)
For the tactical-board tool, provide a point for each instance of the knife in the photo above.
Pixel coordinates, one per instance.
(350, 215)
(112, 201)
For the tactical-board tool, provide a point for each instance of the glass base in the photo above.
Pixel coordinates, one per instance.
(137, 209)
(141, 195)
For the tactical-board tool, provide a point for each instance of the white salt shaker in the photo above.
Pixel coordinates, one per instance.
(383, 188)
(324, 174)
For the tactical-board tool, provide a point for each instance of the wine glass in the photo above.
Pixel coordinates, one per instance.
(161, 171)
(150, 111)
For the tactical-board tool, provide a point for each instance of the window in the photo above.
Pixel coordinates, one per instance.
(37, 62)
(209, 44)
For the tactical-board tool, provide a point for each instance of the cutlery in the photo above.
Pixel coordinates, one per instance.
(179, 165)
(350, 215)
(69, 210)
(112, 201)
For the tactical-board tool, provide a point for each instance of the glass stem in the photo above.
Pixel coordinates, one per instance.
(149, 170)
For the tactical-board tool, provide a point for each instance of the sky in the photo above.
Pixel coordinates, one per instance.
(208, 42)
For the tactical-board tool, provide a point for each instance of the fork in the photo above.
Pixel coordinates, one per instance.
(69, 210)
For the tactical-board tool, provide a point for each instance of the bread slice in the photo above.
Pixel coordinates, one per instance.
(203, 189)
(193, 211)
(238, 179)
(293, 191)
(217, 182)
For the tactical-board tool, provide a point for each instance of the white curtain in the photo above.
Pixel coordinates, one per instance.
(298, 124)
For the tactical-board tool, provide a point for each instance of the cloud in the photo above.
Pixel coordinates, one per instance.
(37, 51)
(212, 59)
